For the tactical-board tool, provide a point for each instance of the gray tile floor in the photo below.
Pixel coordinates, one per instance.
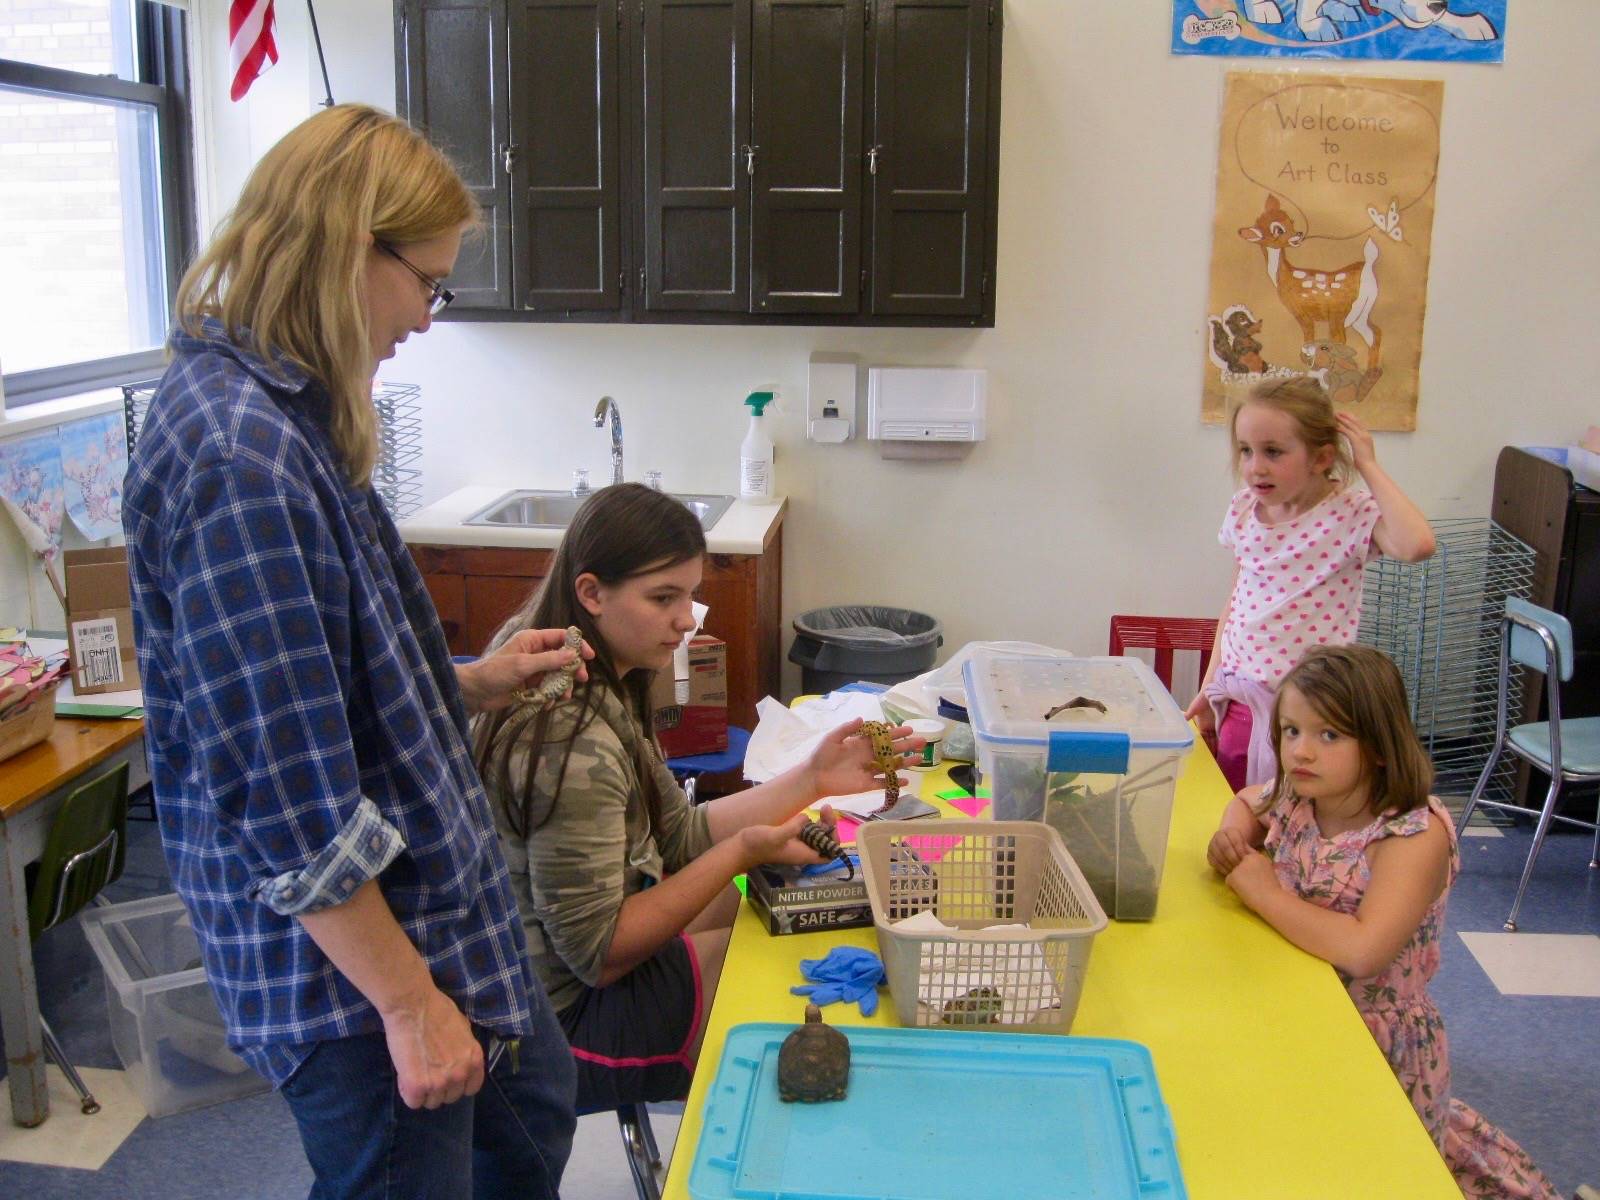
(1522, 1060)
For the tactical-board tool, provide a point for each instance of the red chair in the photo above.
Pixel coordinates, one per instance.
(1164, 635)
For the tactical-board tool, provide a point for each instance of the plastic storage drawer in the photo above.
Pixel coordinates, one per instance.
(164, 1020)
(1094, 747)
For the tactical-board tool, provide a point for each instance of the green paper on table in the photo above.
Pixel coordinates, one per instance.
(81, 708)
(964, 801)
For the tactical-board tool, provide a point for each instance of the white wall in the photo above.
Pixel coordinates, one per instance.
(1098, 491)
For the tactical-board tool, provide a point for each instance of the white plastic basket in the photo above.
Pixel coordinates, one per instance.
(977, 877)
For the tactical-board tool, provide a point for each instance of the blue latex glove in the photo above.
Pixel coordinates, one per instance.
(846, 973)
(833, 864)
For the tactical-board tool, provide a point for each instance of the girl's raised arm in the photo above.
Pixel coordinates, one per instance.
(1402, 531)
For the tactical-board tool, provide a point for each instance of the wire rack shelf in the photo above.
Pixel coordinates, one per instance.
(1440, 621)
(395, 476)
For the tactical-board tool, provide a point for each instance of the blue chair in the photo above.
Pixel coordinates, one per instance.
(1569, 751)
(690, 767)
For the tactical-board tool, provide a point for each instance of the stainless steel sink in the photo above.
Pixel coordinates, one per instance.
(534, 509)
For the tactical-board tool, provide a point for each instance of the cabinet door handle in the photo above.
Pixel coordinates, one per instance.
(750, 159)
(872, 159)
(508, 155)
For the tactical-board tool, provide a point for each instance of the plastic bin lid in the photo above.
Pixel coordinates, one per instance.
(1009, 695)
(941, 1115)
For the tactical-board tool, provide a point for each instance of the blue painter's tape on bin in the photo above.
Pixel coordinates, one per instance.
(1098, 751)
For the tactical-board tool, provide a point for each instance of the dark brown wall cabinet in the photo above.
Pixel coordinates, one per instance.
(767, 161)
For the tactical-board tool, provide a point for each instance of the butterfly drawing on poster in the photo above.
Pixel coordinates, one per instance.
(1388, 222)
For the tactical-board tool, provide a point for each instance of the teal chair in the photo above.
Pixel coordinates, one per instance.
(84, 851)
(1568, 751)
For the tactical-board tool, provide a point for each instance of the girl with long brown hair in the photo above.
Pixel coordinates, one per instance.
(625, 889)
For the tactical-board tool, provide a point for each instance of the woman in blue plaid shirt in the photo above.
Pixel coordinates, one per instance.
(321, 814)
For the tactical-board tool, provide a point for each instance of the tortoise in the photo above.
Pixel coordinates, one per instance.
(814, 1062)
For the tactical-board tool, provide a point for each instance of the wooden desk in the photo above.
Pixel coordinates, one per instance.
(33, 786)
(1276, 1088)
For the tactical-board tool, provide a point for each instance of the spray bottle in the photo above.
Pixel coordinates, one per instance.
(755, 454)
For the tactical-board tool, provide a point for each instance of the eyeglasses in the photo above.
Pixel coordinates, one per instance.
(439, 296)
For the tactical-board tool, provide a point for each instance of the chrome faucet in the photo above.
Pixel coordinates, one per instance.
(608, 405)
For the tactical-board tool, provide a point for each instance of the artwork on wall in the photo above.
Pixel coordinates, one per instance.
(1321, 238)
(1457, 31)
(73, 470)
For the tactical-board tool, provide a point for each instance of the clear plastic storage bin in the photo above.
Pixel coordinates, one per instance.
(1092, 746)
(164, 1020)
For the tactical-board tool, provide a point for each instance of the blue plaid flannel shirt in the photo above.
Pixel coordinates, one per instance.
(306, 731)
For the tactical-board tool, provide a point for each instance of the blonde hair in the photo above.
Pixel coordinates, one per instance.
(284, 273)
(1305, 402)
(1358, 691)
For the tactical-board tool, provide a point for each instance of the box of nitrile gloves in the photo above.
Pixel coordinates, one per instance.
(100, 621)
(790, 901)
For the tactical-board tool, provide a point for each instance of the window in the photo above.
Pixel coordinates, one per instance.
(96, 203)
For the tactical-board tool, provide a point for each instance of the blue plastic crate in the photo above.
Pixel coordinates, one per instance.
(941, 1115)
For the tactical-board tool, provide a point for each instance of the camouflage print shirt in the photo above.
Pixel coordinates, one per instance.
(592, 846)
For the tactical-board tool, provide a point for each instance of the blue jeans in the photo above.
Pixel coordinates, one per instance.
(511, 1139)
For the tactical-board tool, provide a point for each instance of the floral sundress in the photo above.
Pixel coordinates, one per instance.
(1334, 873)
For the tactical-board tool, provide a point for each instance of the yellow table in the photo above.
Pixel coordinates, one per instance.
(1276, 1089)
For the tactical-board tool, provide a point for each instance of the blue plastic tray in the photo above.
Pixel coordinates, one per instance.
(936, 1115)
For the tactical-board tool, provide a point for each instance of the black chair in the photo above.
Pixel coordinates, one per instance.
(639, 1141)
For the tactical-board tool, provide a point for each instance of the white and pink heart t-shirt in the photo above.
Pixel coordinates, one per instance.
(1299, 582)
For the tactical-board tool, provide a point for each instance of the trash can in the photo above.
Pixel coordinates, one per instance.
(848, 642)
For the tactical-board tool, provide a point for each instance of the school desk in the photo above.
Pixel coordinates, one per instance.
(33, 786)
(1275, 1087)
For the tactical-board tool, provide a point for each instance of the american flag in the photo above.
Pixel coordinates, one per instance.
(250, 42)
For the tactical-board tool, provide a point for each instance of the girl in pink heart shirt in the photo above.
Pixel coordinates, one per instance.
(1301, 536)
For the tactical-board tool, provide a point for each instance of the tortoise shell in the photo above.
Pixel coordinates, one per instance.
(814, 1062)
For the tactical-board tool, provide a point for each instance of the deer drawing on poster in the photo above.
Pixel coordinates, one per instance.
(1337, 299)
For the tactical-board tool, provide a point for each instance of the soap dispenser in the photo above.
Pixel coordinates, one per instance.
(755, 454)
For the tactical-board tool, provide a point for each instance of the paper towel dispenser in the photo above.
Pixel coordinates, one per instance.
(926, 404)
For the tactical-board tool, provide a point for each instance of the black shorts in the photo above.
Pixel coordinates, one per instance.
(632, 1039)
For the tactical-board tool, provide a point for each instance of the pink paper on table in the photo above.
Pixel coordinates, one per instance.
(971, 805)
(845, 830)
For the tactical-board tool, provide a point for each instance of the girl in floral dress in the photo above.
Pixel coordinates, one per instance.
(1358, 861)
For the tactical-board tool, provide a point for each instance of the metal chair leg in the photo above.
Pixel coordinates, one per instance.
(1594, 851)
(1538, 840)
(57, 1055)
(649, 1135)
(633, 1142)
(1480, 787)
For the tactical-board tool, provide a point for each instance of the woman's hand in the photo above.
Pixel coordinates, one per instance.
(526, 657)
(1363, 450)
(842, 764)
(1252, 878)
(437, 1060)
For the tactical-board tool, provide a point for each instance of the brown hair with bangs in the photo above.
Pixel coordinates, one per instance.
(1359, 692)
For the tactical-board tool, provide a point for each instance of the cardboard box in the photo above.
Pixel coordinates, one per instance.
(789, 902)
(700, 724)
(100, 621)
